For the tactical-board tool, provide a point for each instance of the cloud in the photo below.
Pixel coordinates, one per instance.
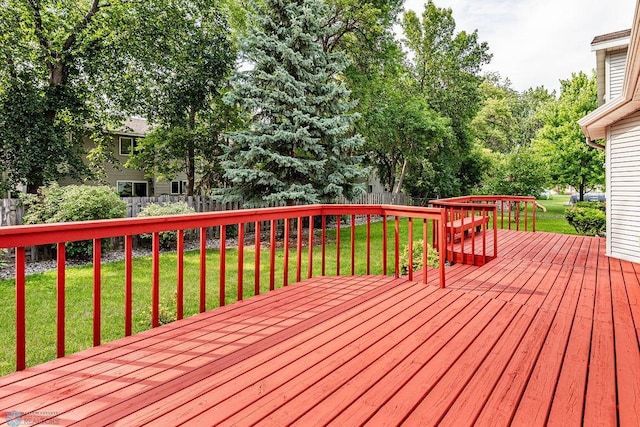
(538, 42)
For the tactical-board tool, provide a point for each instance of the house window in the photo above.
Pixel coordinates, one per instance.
(178, 187)
(133, 188)
(127, 145)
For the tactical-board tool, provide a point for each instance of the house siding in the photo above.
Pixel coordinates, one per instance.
(617, 62)
(623, 189)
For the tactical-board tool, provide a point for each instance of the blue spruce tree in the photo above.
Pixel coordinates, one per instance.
(299, 146)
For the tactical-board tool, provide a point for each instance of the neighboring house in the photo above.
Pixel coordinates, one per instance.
(617, 121)
(132, 182)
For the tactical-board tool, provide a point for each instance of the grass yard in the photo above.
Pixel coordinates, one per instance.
(41, 290)
(553, 220)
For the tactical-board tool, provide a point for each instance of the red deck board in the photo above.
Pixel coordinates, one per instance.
(505, 397)
(185, 369)
(292, 396)
(315, 343)
(547, 333)
(536, 401)
(568, 403)
(137, 354)
(428, 360)
(627, 354)
(600, 405)
(431, 382)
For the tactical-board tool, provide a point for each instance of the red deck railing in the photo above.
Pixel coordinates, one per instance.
(20, 237)
(473, 218)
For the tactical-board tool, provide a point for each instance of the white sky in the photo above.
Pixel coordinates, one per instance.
(538, 42)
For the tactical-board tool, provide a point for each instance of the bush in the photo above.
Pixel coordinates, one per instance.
(587, 221)
(73, 203)
(433, 258)
(601, 206)
(168, 239)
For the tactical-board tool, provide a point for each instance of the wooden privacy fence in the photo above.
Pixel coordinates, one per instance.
(20, 237)
(11, 210)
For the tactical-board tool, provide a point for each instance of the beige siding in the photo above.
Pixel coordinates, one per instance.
(617, 62)
(623, 189)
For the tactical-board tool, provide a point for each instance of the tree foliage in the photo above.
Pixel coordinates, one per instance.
(446, 67)
(182, 93)
(45, 107)
(299, 147)
(572, 161)
(70, 69)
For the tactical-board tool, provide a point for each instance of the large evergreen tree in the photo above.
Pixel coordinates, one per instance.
(299, 147)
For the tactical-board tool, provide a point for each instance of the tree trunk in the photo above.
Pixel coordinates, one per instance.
(191, 155)
(582, 187)
(191, 179)
(401, 179)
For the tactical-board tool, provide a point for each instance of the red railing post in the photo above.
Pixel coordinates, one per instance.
(473, 235)
(155, 278)
(180, 276)
(441, 244)
(21, 321)
(272, 255)
(128, 284)
(410, 248)
(287, 225)
(535, 210)
(240, 261)
(495, 234)
(310, 263)
(324, 244)
(396, 242)
(203, 269)
(61, 264)
(425, 249)
(223, 265)
(353, 245)
(299, 251)
(384, 245)
(338, 219)
(256, 271)
(368, 245)
(97, 259)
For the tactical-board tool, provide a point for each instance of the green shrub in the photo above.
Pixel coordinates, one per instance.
(73, 203)
(433, 258)
(168, 239)
(601, 206)
(586, 220)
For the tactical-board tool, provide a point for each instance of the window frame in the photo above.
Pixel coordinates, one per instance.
(131, 145)
(182, 187)
(132, 182)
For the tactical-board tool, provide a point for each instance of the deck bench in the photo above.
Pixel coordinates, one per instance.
(465, 224)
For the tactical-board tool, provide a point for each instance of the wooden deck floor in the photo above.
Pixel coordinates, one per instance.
(545, 334)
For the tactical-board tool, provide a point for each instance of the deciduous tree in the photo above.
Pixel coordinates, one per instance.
(572, 161)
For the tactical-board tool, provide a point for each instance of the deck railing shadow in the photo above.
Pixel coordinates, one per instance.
(276, 229)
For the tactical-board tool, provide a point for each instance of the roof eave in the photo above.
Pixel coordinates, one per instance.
(595, 125)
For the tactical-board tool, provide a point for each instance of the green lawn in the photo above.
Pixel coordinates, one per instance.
(553, 220)
(41, 288)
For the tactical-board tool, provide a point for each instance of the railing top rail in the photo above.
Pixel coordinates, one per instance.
(465, 200)
(41, 234)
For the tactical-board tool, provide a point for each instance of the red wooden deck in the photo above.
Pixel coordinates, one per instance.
(545, 334)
